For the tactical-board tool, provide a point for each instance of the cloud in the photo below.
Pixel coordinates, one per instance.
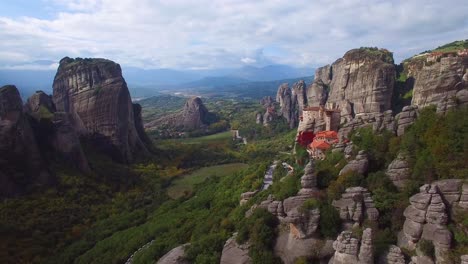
(248, 60)
(228, 33)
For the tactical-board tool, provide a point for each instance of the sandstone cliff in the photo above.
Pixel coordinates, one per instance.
(95, 94)
(440, 79)
(21, 162)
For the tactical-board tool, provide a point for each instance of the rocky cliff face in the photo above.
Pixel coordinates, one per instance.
(439, 81)
(288, 104)
(355, 205)
(363, 79)
(20, 159)
(95, 94)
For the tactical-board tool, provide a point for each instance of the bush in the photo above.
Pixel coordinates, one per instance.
(330, 222)
(426, 247)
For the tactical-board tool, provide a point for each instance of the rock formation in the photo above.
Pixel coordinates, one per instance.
(360, 164)
(378, 121)
(245, 197)
(95, 94)
(363, 79)
(394, 256)
(405, 118)
(348, 251)
(308, 180)
(288, 106)
(355, 205)
(428, 214)
(21, 162)
(175, 256)
(399, 171)
(233, 253)
(441, 81)
(56, 131)
(299, 97)
(194, 115)
(39, 104)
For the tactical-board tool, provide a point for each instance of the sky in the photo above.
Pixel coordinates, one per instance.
(211, 34)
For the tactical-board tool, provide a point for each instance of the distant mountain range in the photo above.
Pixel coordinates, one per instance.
(145, 83)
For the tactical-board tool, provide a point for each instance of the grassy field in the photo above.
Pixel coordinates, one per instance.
(184, 184)
(215, 138)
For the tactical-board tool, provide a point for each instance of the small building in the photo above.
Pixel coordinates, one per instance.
(330, 114)
(322, 142)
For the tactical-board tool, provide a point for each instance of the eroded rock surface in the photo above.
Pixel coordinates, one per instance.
(440, 82)
(348, 250)
(95, 94)
(233, 253)
(21, 162)
(360, 164)
(355, 205)
(399, 171)
(175, 256)
(394, 255)
(406, 118)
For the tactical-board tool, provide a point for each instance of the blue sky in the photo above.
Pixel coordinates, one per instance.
(189, 34)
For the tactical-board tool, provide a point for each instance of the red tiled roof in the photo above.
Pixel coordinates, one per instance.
(327, 134)
(320, 145)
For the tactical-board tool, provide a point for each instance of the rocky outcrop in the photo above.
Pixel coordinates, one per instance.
(464, 259)
(175, 256)
(442, 82)
(299, 97)
(288, 106)
(56, 131)
(366, 252)
(348, 251)
(399, 171)
(21, 162)
(289, 248)
(377, 121)
(405, 118)
(245, 197)
(394, 256)
(428, 214)
(258, 118)
(360, 164)
(233, 253)
(194, 114)
(267, 101)
(95, 94)
(355, 205)
(40, 104)
(309, 180)
(363, 78)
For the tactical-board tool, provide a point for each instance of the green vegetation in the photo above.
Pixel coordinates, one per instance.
(453, 46)
(260, 230)
(382, 54)
(184, 184)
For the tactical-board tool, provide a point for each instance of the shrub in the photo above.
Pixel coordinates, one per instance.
(330, 222)
(426, 247)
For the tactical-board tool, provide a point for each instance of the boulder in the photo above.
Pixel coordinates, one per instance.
(245, 197)
(464, 259)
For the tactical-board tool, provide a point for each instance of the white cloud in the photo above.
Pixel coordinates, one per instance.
(228, 33)
(248, 60)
